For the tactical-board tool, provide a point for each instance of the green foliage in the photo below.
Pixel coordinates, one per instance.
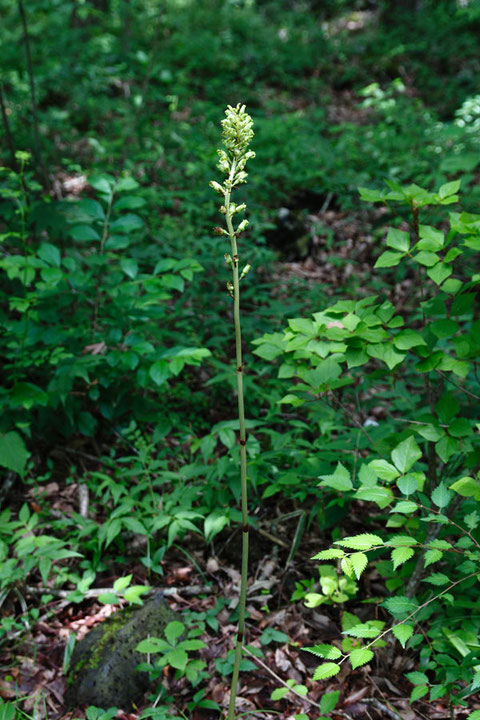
(421, 365)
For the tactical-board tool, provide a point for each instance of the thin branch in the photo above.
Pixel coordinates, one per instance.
(26, 39)
(462, 389)
(6, 127)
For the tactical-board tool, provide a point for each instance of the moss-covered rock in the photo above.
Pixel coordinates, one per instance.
(103, 663)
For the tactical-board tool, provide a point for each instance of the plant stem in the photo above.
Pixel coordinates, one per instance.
(36, 134)
(6, 127)
(243, 454)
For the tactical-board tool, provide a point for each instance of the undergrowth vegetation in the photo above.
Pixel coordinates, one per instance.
(119, 447)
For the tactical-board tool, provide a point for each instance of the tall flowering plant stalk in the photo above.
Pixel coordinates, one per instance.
(236, 136)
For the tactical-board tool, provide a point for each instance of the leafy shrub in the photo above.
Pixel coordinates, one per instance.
(89, 337)
(403, 380)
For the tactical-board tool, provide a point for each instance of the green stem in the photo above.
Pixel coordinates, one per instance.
(243, 455)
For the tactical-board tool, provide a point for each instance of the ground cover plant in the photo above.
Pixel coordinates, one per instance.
(119, 445)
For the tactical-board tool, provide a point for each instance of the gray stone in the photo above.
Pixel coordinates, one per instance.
(103, 663)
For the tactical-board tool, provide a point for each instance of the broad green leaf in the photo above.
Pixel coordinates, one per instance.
(407, 484)
(83, 233)
(363, 630)
(129, 267)
(430, 238)
(398, 239)
(326, 670)
(426, 258)
(407, 339)
(405, 506)
(122, 582)
(133, 593)
(50, 254)
(126, 184)
(177, 658)
(446, 447)
(13, 453)
(365, 541)
(437, 579)
(279, 693)
(475, 715)
(441, 496)
(371, 195)
(406, 454)
(377, 494)
(444, 328)
(432, 556)
(439, 272)
(400, 605)
(329, 652)
(340, 480)
(418, 692)
(108, 598)
(360, 657)
(127, 223)
(160, 371)
(152, 645)
(401, 541)
(384, 470)
(330, 554)
(417, 678)
(388, 259)
(129, 202)
(403, 633)
(449, 188)
(173, 631)
(400, 555)
(214, 523)
(467, 487)
(328, 701)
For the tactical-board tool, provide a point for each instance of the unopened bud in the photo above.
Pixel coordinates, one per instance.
(228, 259)
(219, 231)
(230, 288)
(217, 187)
(242, 226)
(245, 271)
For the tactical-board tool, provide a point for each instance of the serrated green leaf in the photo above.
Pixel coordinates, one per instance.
(279, 693)
(403, 633)
(339, 480)
(437, 579)
(401, 541)
(432, 556)
(380, 495)
(330, 554)
(405, 506)
(418, 692)
(406, 454)
(177, 658)
(359, 657)
(441, 496)
(363, 630)
(329, 652)
(407, 484)
(328, 701)
(400, 605)
(400, 555)
(384, 470)
(417, 678)
(365, 541)
(129, 267)
(359, 562)
(326, 670)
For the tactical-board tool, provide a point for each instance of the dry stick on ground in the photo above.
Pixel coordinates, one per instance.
(96, 592)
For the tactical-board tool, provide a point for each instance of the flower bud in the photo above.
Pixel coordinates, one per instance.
(242, 226)
(220, 231)
(245, 271)
(217, 187)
